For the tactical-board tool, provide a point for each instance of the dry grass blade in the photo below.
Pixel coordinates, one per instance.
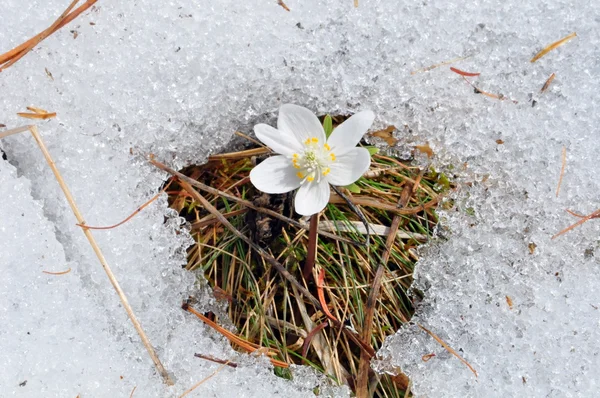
(113, 280)
(213, 374)
(449, 349)
(16, 130)
(552, 46)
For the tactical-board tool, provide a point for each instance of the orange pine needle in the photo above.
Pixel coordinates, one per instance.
(246, 345)
(552, 46)
(282, 4)
(57, 273)
(463, 73)
(479, 91)
(449, 349)
(132, 391)
(139, 209)
(37, 110)
(562, 169)
(584, 219)
(548, 81)
(11, 57)
(321, 296)
(37, 115)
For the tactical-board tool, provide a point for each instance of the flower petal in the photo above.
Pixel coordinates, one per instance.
(275, 175)
(279, 141)
(349, 167)
(349, 133)
(311, 198)
(301, 122)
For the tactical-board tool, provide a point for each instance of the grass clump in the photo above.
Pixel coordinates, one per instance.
(268, 311)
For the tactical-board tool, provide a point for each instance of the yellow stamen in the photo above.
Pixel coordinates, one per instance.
(315, 140)
(296, 167)
(295, 156)
(300, 175)
(327, 147)
(327, 170)
(309, 179)
(332, 156)
(307, 141)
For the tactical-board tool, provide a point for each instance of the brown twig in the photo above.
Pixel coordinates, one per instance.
(217, 360)
(448, 348)
(362, 383)
(113, 280)
(216, 192)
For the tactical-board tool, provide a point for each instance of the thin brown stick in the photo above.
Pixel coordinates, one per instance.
(113, 280)
(562, 169)
(364, 367)
(132, 391)
(448, 348)
(216, 360)
(311, 253)
(274, 214)
(373, 202)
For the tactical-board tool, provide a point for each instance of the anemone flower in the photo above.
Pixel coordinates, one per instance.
(307, 159)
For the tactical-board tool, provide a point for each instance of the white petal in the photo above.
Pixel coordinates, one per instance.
(275, 175)
(349, 167)
(312, 197)
(279, 141)
(348, 134)
(301, 122)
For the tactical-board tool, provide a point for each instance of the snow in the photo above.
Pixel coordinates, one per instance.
(177, 79)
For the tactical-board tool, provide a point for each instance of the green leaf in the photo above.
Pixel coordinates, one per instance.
(353, 188)
(327, 125)
(372, 150)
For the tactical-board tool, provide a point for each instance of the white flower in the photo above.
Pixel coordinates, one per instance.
(307, 159)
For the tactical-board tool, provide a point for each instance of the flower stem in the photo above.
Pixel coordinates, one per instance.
(312, 247)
